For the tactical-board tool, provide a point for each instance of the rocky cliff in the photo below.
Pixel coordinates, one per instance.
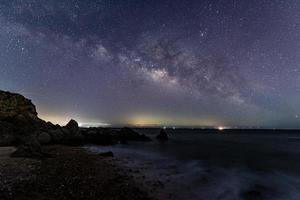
(12, 105)
(18, 117)
(19, 124)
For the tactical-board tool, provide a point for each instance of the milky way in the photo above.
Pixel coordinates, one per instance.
(165, 63)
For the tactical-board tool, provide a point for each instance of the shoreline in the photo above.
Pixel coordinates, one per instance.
(178, 174)
(69, 173)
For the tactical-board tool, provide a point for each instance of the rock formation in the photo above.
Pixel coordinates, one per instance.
(20, 126)
(44, 138)
(72, 133)
(127, 134)
(6, 134)
(12, 105)
(72, 126)
(162, 136)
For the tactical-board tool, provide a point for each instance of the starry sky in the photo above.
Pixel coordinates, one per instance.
(232, 63)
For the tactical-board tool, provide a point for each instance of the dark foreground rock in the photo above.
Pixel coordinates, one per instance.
(44, 138)
(29, 147)
(162, 136)
(71, 173)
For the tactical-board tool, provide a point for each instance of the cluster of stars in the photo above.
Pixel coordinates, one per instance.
(197, 62)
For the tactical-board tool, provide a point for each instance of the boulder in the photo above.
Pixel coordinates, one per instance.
(50, 126)
(127, 134)
(72, 133)
(72, 129)
(72, 126)
(56, 135)
(28, 147)
(162, 136)
(44, 138)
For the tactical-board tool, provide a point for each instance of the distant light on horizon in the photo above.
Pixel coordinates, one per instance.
(166, 121)
(88, 125)
(221, 128)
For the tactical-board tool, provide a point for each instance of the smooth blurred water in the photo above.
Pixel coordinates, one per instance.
(218, 166)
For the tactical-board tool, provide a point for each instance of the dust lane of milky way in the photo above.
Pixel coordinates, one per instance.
(172, 62)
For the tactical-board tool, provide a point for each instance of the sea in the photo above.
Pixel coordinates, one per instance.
(194, 164)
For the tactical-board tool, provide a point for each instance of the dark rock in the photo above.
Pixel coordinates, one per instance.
(29, 147)
(44, 138)
(19, 124)
(106, 136)
(72, 125)
(20, 115)
(50, 126)
(100, 136)
(56, 135)
(7, 136)
(163, 136)
(106, 154)
(7, 140)
(127, 134)
(20, 112)
(12, 105)
(72, 134)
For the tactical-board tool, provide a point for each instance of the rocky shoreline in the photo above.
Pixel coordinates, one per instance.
(20, 126)
(40, 160)
(69, 173)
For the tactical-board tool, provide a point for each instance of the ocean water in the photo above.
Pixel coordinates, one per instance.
(193, 165)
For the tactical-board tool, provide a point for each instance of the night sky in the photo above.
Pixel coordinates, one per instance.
(155, 62)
